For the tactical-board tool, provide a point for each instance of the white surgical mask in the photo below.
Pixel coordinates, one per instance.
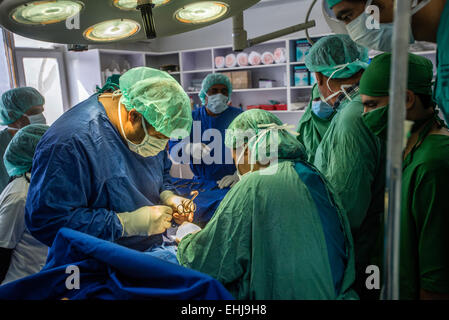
(37, 119)
(377, 39)
(150, 146)
(217, 103)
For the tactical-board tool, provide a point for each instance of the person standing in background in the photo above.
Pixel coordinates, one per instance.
(18, 108)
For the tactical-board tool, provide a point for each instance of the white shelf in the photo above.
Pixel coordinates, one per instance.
(198, 71)
(252, 67)
(259, 89)
(302, 87)
(297, 63)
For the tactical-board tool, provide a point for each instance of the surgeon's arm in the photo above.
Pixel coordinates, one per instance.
(61, 195)
(430, 211)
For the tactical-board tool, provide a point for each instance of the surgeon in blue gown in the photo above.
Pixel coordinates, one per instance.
(102, 168)
(201, 148)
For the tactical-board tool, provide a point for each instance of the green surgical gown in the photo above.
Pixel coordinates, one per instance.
(5, 139)
(352, 159)
(312, 129)
(424, 244)
(266, 241)
(441, 91)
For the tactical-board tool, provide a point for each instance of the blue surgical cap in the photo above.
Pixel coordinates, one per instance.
(337, 56)
(15, 102)
(211, 80)
(19, 154)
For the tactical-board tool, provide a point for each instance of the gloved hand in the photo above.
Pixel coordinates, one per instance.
(172, 200)
(146, 221)
(228, 181)
(198, 150)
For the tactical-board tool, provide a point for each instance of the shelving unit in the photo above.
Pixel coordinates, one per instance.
(194, 65)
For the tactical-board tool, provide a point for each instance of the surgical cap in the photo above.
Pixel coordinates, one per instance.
(375, 81)
(337, 52)
(18, 157)
(16, 102)
(159, 98)
(211, 80)
(248, 127)
(332, 3)
(112, 84)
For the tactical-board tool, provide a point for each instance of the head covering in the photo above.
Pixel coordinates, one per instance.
(15, 102)
(211, 80)
(337, 56)
(112, 84)
(159, 98)
(332, 3)
(19, 154)
(257, 127)
(375, 81)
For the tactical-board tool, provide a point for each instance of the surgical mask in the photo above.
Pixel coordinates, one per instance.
(150, 146)
(322, 110)
(378, 39)
(217, 103)
(377, 121)
(37, 119)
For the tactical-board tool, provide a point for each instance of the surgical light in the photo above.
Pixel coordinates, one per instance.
(112, 30)
(46, 12)
(201, 12)
(132, 4)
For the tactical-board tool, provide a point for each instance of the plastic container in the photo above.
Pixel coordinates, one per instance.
(280, 107)
(302, 49)
(268, 107)
(301, 76)
(252, 107)
(312, 78)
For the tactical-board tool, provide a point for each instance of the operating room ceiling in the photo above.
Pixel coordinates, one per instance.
(93, 12)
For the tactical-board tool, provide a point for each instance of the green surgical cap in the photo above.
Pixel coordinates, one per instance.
(15, 102)
(211, 80)
(337, 52)
(159, 98)
(18, 157)
(112, 84)
(247, 128)
(332, 3)
(375, 81)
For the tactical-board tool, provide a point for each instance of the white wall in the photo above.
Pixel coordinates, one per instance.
(259, 20)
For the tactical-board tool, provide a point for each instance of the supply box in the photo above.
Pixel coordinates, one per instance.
(240, 79)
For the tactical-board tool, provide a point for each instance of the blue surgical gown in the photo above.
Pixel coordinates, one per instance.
(221, 123)
(84, 173)
(5, 139)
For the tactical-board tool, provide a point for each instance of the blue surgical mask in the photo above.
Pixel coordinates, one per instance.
(37, 119)
(218, 103)
(377, 39)
(322, 109)
(150, 146)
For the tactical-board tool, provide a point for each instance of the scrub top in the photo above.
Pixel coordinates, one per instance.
(424, 238)
(84, 174)
(28, 255)
(276, 236)
(441, 92)
(352, 159)
(5, 139)
(202, 122)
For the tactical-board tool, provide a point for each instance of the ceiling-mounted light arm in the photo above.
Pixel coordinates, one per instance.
(146, 9)
(240, 35)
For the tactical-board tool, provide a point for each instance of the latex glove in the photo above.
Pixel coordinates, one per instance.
(228, 181)
(198, 150)
(185, 229)
(146, 221)
(173, 201)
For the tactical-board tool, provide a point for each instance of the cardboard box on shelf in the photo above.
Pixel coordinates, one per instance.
(239, 79)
